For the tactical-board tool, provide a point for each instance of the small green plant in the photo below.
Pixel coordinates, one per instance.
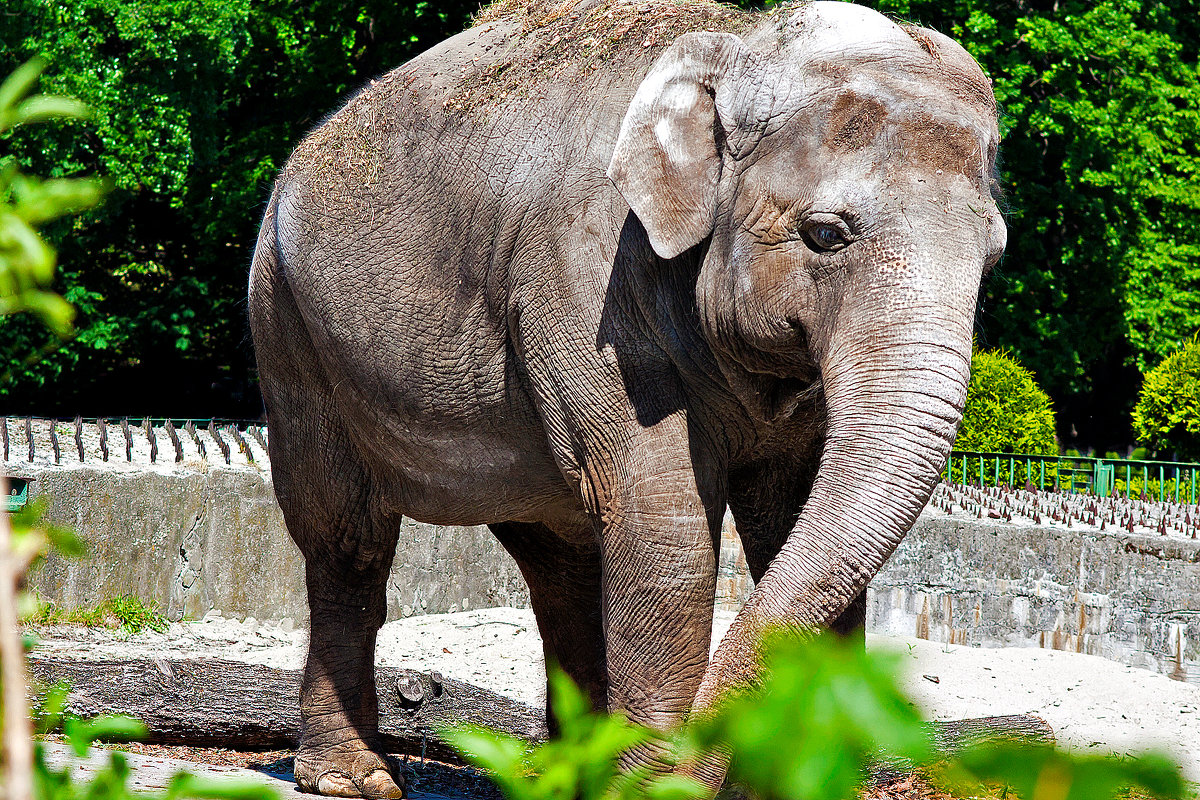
(127, 612)
(825, 713)
(1006, 411)
(580, 764)
(1166, 418)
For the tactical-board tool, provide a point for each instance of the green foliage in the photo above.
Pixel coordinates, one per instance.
(197, 106)
(129, 613)
(1167, 415)
(581, 763)
(1101, 175)
(1043, 772)
(26, 203)
(826, 711)
(199, 103)
(1006, 411)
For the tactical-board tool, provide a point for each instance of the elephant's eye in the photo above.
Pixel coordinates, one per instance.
(826, 235)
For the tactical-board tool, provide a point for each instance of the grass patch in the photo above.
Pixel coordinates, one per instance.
(126, 612)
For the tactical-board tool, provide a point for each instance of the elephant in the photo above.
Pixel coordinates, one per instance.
(591, 273)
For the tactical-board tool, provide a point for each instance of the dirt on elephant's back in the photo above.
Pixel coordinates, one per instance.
(558, 38)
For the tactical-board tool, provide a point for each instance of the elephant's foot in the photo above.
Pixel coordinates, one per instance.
(347, 772)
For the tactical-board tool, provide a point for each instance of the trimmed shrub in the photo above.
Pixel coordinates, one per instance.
(1006, 412)
(1167, 415)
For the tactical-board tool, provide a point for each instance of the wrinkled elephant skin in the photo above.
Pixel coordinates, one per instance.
(592, 296)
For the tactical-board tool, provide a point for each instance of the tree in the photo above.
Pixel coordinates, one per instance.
(1101, 176)
(1006, 411)
(197, 105)
(200, 102)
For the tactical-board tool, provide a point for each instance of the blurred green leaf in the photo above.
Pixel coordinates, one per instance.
(1043, 773)
(824, 709)
(42, 108)
(82, 733)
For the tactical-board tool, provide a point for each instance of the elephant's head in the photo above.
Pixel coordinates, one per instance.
(839, 167)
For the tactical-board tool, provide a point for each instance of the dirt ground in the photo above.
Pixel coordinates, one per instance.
(1093, 705)
(435, 779)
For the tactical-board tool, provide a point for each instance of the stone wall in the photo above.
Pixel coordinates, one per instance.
(199, 534)
(195, 540)
(1131, 598)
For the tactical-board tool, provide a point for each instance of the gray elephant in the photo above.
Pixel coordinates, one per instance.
(592, 272)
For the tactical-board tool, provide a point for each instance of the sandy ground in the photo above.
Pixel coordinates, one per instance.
(1093, 704)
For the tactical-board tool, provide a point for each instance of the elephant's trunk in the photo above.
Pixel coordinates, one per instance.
(894, 392)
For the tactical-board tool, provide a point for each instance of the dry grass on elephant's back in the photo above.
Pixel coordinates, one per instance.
(569, 38)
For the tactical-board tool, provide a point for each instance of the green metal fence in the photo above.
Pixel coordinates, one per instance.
(1153, 480)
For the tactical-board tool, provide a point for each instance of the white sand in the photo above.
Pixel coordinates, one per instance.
(1092, 704)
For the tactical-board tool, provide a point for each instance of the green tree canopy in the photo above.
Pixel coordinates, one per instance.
(197, 105)
(1101, 171)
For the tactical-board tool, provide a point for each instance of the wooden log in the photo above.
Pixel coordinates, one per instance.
(213, 702)
(950, 736)
(233, 704)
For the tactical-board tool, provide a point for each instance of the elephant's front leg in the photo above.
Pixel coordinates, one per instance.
(658, 544)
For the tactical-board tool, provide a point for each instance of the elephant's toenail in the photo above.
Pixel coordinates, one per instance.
(379, 784)
(334, 784)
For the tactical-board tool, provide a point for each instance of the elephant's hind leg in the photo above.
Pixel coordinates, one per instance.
(348, 544)
(333, 512)
(564, 588)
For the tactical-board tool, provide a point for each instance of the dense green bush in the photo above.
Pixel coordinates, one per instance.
(1167, 416)
(1006, 412)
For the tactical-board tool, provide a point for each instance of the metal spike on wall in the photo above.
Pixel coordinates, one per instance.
(29, 436)
(54, 443)
(256, 432)
(242, 445)
(174, 440)
(79, 436)
(148, 427)
(212, 431)
(128, 438)
(190, 427)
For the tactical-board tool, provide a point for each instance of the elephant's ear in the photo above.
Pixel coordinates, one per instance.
(667, 161)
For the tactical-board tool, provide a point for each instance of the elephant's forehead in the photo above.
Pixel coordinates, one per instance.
(847, 42)
(823, 28)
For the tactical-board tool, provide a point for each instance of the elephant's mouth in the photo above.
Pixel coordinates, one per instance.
(777, 378)
(776, 398)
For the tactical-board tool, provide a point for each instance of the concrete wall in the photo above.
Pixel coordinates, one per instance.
(1131, 598)
(201, 534)
(194, 540)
